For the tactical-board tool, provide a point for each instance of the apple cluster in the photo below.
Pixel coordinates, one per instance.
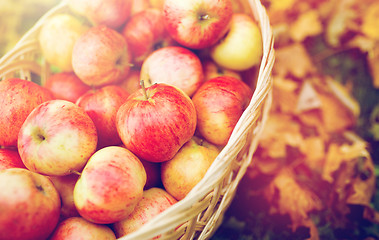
(144, 96)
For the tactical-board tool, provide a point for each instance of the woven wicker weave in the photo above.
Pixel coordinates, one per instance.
(198, 215)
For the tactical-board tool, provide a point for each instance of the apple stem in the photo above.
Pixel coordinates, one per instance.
(204, 17)
(142, 83)
(75, 172)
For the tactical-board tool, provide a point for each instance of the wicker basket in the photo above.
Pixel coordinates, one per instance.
(199, 214)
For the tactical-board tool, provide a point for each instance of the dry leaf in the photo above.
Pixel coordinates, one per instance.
(370, 20)
(306, 25)
(314, 150)
(291, 198)
(335, 116)
(308, 98)
(341, 20)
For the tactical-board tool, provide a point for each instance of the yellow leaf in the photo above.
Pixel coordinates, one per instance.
(308, 24)
(370, 22)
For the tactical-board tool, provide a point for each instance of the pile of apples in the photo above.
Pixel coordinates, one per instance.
(146, 96)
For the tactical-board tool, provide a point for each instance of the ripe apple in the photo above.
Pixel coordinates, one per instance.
(156, 4)
(102, 105)
(57, 38)
(57, 138)
(101, 56)
(66, 86)
(181, 174)
(241, 48)
(155, 122)
(18, 97)
(29, 205)
(212, 70)
(197, 24)
(153, 202)
(9, 158)
(173, 65)
(110, 186)
(132, 82)
(111, 13)
(219, 104)
(144, 32)
(65, 187)
(75, 228)
(138, 6)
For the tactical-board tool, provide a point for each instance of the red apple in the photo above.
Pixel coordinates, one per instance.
(155, 122)
(77, 228)
(110, 185)
(112, 13)
(144, 32)
(153, 202)
(66, 86)
(173, 65)
(102, 105)
(65, 187)
(219, 104)
(29, 205)
(9, 158)
(197, 24)
(57, 138)
(18, 98)
(101, 56)
(186, 169)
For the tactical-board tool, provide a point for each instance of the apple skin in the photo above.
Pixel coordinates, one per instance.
(66, 86)
(155, 126)
(181, 174)
(101, 56)
(78, 228)
(18, 98)
(157, 4)
(154, 201)
(111, 13)
(219, 104)
(197, 24)
(29, 205)
(110, 186)
(241, 48)
(102, 105)
(9, 158)
(173, 65)
(65, 187)
(144, 32)
(57, 38)
(57, 138)
(138, 6)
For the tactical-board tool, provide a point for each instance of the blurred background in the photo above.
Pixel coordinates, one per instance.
(314, 175)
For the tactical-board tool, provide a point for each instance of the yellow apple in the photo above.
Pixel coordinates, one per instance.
(241, 48)
(181, 174)
(57, 38)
